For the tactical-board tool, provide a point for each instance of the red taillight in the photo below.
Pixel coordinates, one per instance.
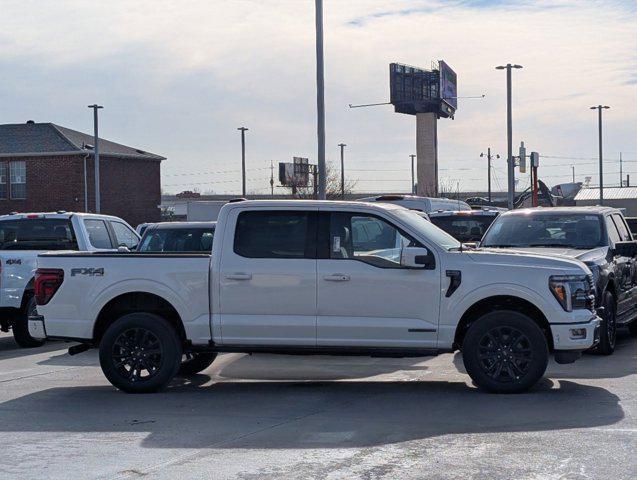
(47, 282)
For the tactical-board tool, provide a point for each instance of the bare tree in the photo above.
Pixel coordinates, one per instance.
(332, 186)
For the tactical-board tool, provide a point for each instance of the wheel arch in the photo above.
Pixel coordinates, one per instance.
(501, 302)
(134, 302)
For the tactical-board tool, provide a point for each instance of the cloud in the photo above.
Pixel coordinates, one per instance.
(178, 78)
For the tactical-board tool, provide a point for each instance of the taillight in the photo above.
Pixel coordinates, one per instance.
(47, 282)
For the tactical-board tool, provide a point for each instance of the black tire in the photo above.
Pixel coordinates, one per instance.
(137, 343)
(608, 328)
(505, 352)
(193, 363)
(21, 326)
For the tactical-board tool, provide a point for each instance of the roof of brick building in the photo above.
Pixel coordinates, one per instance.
(46, 139)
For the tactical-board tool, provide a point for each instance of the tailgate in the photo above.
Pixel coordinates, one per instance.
(18, 268)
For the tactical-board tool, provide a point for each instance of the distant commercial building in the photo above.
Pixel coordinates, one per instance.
(624, 197)
(42, 169)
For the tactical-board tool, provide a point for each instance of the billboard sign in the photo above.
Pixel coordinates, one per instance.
(413, 90)
(448, 85)
(295, 174)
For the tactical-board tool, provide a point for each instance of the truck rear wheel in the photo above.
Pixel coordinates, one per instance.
(21, 326)
(193, 363)
(505, 352)
(140, 353)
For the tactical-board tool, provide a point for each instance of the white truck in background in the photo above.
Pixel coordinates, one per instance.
(317, 277)
(24, 235)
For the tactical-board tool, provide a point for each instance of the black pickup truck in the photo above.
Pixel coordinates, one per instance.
(597, 236)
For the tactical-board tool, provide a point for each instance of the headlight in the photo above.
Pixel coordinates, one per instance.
(573, 291)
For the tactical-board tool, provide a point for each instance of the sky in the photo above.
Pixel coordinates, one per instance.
(178, 77)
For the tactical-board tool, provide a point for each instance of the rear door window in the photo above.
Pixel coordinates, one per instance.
(98, 235)
(37, 234)
(276, 234)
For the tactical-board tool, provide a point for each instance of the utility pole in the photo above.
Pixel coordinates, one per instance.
(243, 160)
(573, 169)
(320, 100)
(271, 178)
(413, 181)
(510, 159)
(599, 109)
(342, 145)
(96, 149)
(489, 157)
(621, 175)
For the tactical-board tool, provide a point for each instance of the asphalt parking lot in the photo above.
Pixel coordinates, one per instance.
(280, 417)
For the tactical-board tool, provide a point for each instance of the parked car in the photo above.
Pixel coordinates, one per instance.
(24, 235)
(300, 277)
(171, 237)
(598, 236)
(423, 204)
(141, 228)
(465, 225)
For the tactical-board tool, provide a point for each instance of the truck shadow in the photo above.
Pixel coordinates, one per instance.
(10, 349)
(269, 415)
(622, 363)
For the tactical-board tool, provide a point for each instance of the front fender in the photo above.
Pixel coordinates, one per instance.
(452, 309)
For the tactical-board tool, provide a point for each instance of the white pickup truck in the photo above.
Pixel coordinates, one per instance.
(316, 277)
(24, 235)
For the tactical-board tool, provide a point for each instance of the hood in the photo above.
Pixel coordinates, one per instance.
(536, 259)
(584, 255)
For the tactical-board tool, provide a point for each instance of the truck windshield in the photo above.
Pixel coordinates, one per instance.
(546, 230)
(177, 240)
(428, 230)
(469, 228)
(37, 234)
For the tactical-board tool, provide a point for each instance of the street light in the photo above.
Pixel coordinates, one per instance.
(96, 149)
(599, 109)
(342, 145)
(510, 161)
(243, 160)
(320, 100)
(413, 179)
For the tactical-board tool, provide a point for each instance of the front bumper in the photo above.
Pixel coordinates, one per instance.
(576, 336)
(36, 327)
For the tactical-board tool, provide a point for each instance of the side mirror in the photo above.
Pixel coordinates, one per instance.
(123, 249)
(626, 249)
(417, 257)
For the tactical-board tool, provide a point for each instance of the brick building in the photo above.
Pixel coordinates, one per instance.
(42, 169)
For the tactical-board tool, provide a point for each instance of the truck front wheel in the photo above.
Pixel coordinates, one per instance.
(505, 351)
(21, 326)
(140, 353)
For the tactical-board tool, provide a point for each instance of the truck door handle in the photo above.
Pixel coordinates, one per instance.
(239, 276)
(336, 277)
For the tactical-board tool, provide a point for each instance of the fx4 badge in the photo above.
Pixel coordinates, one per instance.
(14, 261)
(91, 272)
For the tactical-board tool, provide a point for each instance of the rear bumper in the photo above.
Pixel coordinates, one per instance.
(576, 336)
(36, 327)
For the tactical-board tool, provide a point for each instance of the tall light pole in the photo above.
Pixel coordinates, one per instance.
(243, 160)
(320, 100)
(342, 145)
(599, 109)
(96, 149)
(573, 169)
(413, 175)
(510, 159)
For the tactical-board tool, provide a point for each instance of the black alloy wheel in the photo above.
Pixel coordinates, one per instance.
(137, 354)
(505, 354)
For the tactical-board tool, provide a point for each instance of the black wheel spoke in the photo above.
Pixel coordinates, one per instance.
(504, 354)
(137, 354)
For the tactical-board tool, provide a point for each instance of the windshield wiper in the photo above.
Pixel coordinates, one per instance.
(502, 245)
(563, 245)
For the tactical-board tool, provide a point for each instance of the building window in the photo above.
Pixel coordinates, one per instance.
(3, 180)
(18, 179)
